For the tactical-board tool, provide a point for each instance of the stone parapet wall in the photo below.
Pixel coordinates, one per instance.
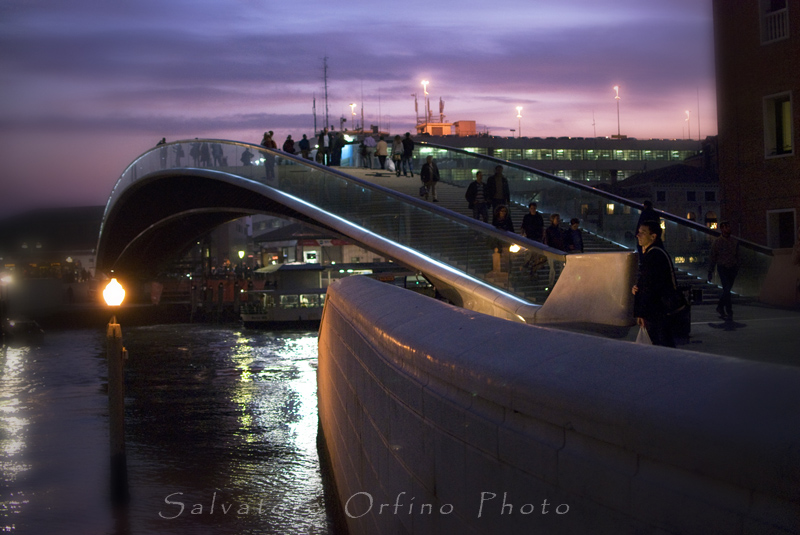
(441, 420)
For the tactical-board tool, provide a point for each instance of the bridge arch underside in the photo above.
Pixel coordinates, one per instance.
(162, 215)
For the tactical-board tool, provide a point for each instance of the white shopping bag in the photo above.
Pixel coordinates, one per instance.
(643, 337)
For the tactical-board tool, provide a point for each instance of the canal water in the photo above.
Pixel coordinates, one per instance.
(221, 430)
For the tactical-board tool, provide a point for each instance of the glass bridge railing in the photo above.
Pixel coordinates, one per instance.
(606, 215)
(458, 241)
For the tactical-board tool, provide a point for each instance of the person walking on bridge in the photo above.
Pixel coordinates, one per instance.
(725, 256)
(382, 151)
(497, 191)
(369, 146)
(408, 154)
(397, 154)
(430, 176)
(476, 197)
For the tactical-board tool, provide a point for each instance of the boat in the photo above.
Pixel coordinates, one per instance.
(270, 307)
(294, 294)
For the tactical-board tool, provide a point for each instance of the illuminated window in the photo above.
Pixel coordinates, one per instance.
(778, 125)
(584, 209)
(610, 208)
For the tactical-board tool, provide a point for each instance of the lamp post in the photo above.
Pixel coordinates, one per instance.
(616, 97)
(5, 280)
(116, 354)
(519, 121)
(241, 262)
(427, 105)
(688, 125)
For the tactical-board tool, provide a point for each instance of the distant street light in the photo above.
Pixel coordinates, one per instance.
(113, 294)
(616, 89)
(427, 103)
(688, 125)
(519, 121)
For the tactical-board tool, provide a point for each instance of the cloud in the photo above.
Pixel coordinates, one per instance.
(183, 68)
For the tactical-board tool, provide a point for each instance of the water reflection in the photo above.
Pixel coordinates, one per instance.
(220, 427)
(12, 435)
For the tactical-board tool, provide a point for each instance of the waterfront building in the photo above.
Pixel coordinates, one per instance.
(51, 243)
(758, 84)
(684, 190)
(597, 159)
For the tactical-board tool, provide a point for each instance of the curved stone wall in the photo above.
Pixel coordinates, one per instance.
(442, 420)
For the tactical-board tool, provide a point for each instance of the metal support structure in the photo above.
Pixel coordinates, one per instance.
(115, 360)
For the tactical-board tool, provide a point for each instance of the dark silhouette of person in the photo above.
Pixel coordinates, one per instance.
(655, 279)
(497, 191)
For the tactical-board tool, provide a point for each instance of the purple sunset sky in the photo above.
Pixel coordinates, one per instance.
(88, 85)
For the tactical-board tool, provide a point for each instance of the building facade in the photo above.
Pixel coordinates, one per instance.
(581, 159)
(758, 84)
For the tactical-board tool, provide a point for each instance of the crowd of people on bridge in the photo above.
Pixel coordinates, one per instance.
(655, 292)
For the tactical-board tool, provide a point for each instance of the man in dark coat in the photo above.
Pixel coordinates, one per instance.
(476, 197)
(407, 161)
(654, 281)
(648, 214)
(497, 192)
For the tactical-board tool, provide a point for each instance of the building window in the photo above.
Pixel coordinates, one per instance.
(691, 196)
(661, 196)
(778, 125)
(774, 20)
(781, 225)
(610, 208)
(711, 196)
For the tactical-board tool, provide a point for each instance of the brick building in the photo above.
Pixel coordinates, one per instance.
(758, 87)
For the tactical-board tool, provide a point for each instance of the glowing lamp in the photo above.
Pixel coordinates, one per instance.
(514, 248)
(241, 255)
(114, 293)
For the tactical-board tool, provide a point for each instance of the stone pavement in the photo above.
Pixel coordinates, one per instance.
(757, 332)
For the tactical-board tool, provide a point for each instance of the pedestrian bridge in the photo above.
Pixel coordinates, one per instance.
(435, 419)
(174, 193)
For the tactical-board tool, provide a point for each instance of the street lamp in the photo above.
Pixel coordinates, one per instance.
(116, 354)
(519, 121)
(688, 125)
(427, 104)
(616, 97)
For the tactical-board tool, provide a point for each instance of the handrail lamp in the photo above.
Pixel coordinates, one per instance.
(116, 354)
